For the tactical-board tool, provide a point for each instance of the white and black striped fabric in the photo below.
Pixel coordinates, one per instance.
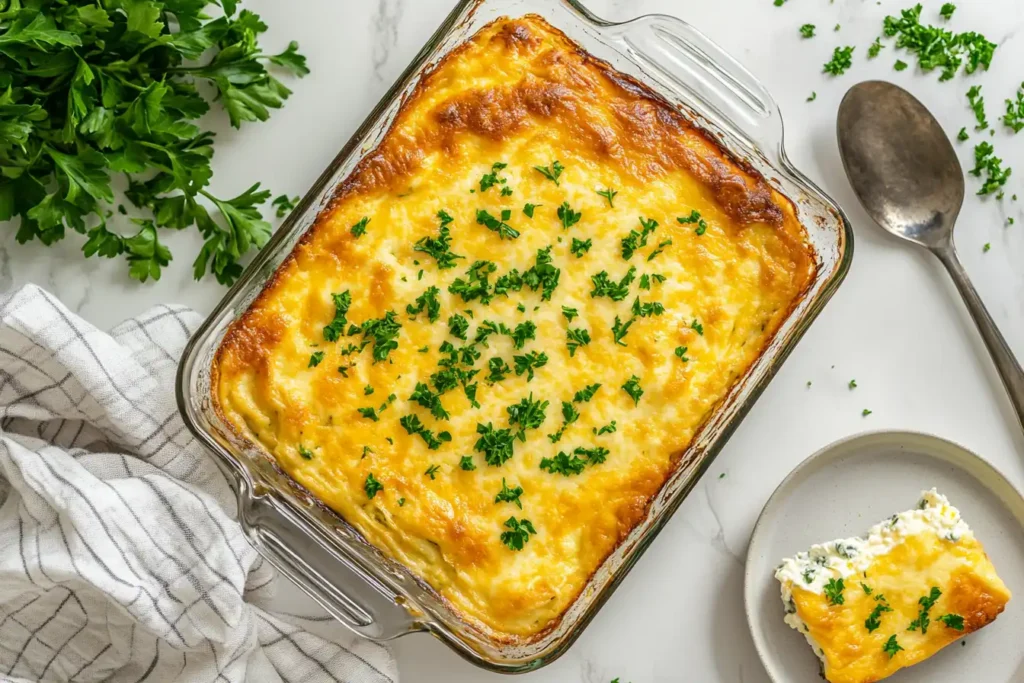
(119, 557)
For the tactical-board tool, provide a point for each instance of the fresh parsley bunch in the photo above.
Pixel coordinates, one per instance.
(93, 89)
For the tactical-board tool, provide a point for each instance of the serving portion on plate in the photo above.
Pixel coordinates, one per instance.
(893, 599)
(491, 350)
(872, 605)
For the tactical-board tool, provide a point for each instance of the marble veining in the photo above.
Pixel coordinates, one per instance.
(896, 325)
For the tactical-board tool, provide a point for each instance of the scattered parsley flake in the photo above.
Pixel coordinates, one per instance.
(359, 229)
(429, 301)
(874, 621)
(519, 531)
(580, 247)
(466, 463)
(528, 363)
(842, 59)
(372, 486)
(439, 248)
(962, 136)
(509, 495)
(807, 30)
(977, 103)
(334, 330)
(315, 359)
(609, 428)
(953, 621)
(489, 180)
(569, 313)
(834, 591)
(432, 471)
(927, 602)
(633, 389)
(609, 194)
(528, 209)
(891, 647)
(813, 96)
(551, 172)
(616, 291)
(900, 65)
(305, 452)
(1014, 117)
(500, 226)
(620, 330)
(567, 216)
(947, 10)
(697, 327)
(936, 47)
(681, 353)
(865, 412)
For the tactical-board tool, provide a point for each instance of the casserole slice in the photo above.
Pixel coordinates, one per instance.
(874, 605)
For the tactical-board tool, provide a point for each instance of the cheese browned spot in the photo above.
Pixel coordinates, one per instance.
(522, 94)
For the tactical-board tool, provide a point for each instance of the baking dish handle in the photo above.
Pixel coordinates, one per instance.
(303, 553)
(689, 64)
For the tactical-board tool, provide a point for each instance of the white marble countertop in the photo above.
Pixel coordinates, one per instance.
(896, 325)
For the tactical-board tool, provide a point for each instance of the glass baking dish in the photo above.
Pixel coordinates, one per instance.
(374, 596)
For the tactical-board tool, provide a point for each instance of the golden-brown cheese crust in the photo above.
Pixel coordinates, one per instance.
(522, 93)
(962, 572)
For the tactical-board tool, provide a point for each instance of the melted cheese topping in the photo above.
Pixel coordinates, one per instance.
(920, 554)
(522, 94)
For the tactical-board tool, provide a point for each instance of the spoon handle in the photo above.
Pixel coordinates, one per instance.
(1007, 365)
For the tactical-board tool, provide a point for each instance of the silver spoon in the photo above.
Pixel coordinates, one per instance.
(906, 174)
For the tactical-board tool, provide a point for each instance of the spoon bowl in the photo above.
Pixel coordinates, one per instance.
(905, 172)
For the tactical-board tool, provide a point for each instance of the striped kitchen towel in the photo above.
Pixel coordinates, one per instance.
(119, 556)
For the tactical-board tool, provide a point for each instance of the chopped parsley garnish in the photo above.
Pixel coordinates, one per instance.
(371, 413)
(891, 647)
(401, 502)
(962, 136)
(635, 240)
(477, 283)
(439, 248)
(875, 48)
(616, 291)
(900, 65)
(923, 619)
(518, 531)
(367, 390)
(842, 59)
(359, 229)
(609, 428)
(285, 204)
(499, 226)
(567, 216)
(495, 444)
(977, 103)
(813, 96)
(647, 310)
(383, 332)
(696, 326)
(507, 495)
(551, 172)
(429, 400)
(413, 426)
(834, 591)
(489, 180)
(528, 414)
(511, 281)
(528, 363)
(580, 247)
(874, 621)
(528, 209)
(681, 353)
(660, 249)
(807, 30)
(947, 11)
(866, 588)
(645, 280)
(458, 326)
(852, 384)
(342, 302)
(466, 463)
(523, 333)
(372, 486)
(428, 300)
(499, 368)
(620, 330)
(563, 464)
(308, 455)
(954, 621)
(609, 194)
(543, 275)
(506, 191)
(986, 247)
(315, 359)
(593, 456)
(992, 166)
(575, 339)
(569, 416)
(1014, 117)
(937, 47)
(586, 393)
(694, 217)
(366, 451)
(569, 313)
(432, 472)
(632, 388)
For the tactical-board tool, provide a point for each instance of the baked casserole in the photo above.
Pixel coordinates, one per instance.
(914, 584)
(496, 343)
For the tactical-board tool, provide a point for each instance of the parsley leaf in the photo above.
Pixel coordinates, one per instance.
(383, 332)
(874, 621)
(937, 47)
(842, 59)
(947, 10)
(834, 591)
(576, 338)
(432, 471)
(518, 533)
(634, 240)
(284, 204)
(567, 216)
(315, 359)
(992, 166)
(413, 426)
(616, 291)
(681, 353)
(876, 47)
(620, 330)
(466, 463)
(439, 248)
(528, 209)
(528, 363)
(609, 428)
(609, 194)
(458, 326)
(580, 247)
(891, 647)
(528, 414)
(900, 65)
(569, 313)
(1014, 117)
(632, 388)
(498, 368)
(307, 454)
(495, 225)
(586, 393)
(428, 399)
(927, 602)
(491, 179)
(495, 444)
(807, 30)
(428, 300)
(954, 621)
(478, 285)
(509, 495)
(359, 229)
(543, 275)
(372, 486)
(563, 464)
(334, 329)
(977, 103)
(551, 172)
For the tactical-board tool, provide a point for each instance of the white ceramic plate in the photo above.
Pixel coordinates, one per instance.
(844, 489)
